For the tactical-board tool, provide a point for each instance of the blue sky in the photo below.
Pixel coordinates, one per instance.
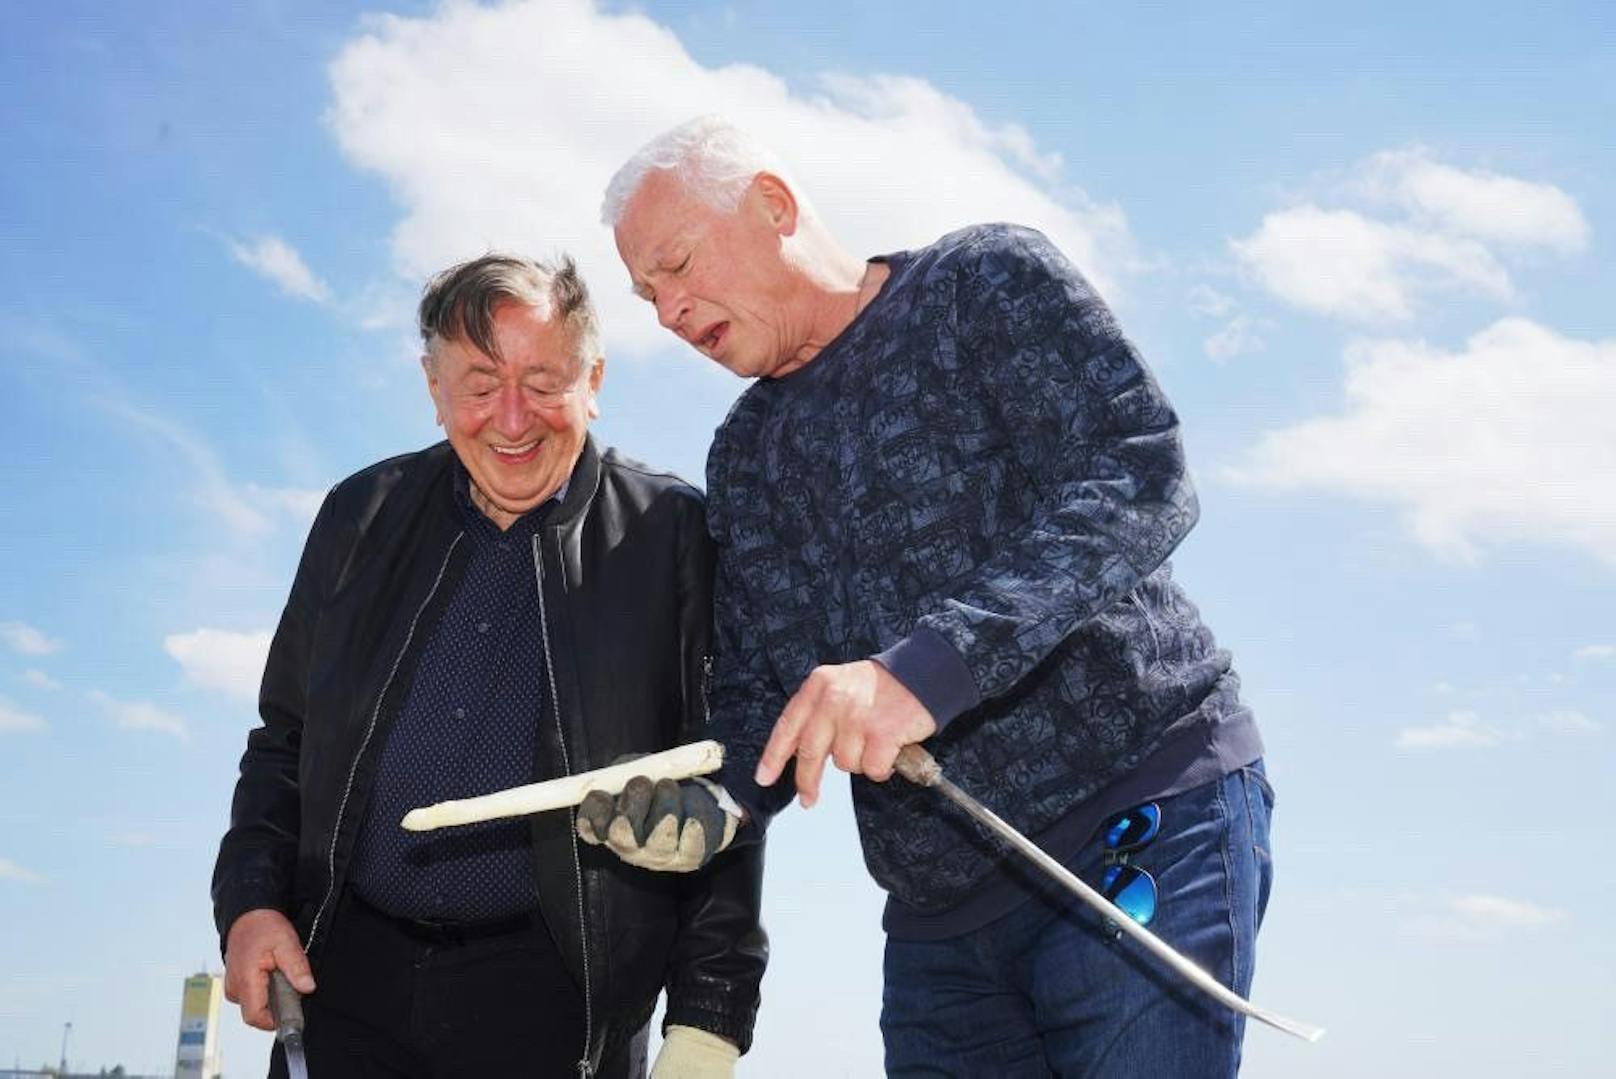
(1367, 249)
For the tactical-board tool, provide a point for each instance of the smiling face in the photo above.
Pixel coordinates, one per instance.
(718, 280)
(517, 422)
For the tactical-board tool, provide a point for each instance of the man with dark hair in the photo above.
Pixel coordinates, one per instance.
(505, 607)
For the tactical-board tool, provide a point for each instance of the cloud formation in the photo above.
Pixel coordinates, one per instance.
(273, 258)
(1465, 729)
(1455, 729)
(1506, 439)
(498, 127)
(1477, 203)
(1503, 913)
(139, 715)
(1445, 238)
(26, 640)
(232, 663)
(39, 679)
(14, 720)
(10, 870)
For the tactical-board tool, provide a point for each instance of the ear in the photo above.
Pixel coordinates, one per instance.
(774, 200)
(430, 369)
(597, 375)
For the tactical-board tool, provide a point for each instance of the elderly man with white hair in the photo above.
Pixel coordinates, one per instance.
(943, 512)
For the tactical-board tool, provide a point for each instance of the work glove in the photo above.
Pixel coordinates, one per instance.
(669, 826)
(689, 1053)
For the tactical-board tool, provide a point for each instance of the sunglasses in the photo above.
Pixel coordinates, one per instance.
(1131, 888)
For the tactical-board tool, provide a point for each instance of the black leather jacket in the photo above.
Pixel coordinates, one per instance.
(624, 567)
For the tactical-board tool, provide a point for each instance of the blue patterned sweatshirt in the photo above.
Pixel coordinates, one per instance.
(977, 483)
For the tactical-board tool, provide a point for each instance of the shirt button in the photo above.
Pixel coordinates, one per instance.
(482, 627)
(460, 713)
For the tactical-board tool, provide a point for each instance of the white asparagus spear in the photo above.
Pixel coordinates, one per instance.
(681, 762)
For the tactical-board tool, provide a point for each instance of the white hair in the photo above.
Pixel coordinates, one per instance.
(712, 158)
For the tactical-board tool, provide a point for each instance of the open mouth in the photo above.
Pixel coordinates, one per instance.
(711, 337)
(517, 455)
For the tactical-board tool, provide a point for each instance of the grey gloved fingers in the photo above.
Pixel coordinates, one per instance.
(595, 814)
(633, 805)
(663, 819)
(703, 829)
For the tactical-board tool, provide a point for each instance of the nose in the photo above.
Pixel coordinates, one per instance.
(671, 307)
(511, 412)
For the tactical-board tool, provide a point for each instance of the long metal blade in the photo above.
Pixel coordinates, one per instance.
(297, 1066)
(918, 766)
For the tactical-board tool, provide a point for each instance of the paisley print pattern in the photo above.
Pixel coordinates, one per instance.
(981, 453)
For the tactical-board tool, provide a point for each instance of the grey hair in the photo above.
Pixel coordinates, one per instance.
(459, 303)
(712, 158)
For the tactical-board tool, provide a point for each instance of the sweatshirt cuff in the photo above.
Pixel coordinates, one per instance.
(931, 669)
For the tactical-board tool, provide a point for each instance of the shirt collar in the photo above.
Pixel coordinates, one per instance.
(478, 523)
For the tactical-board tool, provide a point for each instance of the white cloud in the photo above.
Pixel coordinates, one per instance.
(1350, 262)
(1497, 911)
(1457, 729)
(1239, 336)
(1341, 263)
(140, 715)
(222, 660)
(1478, 203)
(245, 509)
(498, 127)
(274, 258)
(297, 503)
(1474, 918)
(1569, 721)
(39, 679)
(1596, 651)
(10, 870)
(25, 639)
(1508, 439)
(1240, 333)
(1465, 729)
(1208, 301)
(14, 720)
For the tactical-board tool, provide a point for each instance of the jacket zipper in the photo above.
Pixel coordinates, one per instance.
(586, 1066)
(342, 807)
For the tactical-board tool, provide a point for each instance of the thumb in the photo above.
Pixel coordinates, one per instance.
(292, 961)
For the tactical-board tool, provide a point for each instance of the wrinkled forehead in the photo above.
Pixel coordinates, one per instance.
(662, 210)
(525, 338)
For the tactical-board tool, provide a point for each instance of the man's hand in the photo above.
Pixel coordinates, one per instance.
(669, 826)
(856, 713)
(689, 1053)
(258, 942)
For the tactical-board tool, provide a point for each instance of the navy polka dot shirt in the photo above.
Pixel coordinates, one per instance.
(467, 727)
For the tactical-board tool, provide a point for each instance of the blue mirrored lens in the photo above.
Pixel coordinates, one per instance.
(1133, 828)
(1133, 891)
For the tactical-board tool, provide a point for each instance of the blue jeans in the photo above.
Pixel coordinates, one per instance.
(1046, 990)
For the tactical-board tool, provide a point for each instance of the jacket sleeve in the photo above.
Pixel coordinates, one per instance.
(258, 854)
(1098, 444)
(721, 949)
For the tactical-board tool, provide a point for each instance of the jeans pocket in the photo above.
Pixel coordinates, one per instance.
(1257, 774)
